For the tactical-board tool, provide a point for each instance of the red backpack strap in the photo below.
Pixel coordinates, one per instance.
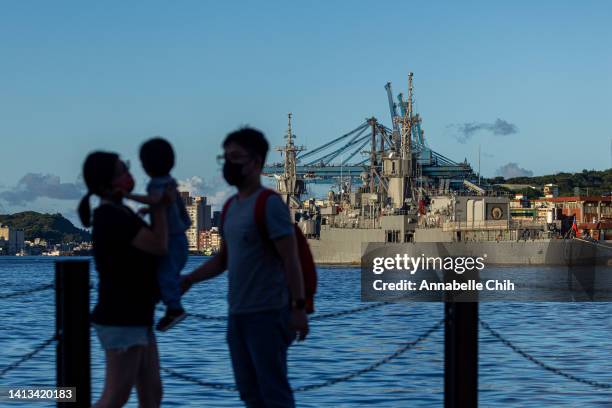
(260, 212)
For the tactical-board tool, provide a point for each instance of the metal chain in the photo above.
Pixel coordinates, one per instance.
(207, 317)
(28, 356)
(545, 366)
(407, 346)
(404, 348)
(347, 312)
(314, 317)
(27, 291)
(216, 386)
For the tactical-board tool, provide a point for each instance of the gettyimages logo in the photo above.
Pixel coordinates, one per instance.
(413, 264)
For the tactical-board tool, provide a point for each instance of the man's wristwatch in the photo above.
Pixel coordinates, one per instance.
(299, 304)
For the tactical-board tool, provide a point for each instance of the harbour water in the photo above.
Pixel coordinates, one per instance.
(575, 337)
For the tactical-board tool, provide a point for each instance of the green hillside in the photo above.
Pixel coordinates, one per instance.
(597, 182)
(52, 227)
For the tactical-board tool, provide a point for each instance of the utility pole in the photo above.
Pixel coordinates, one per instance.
(73, 361)
(461, 355)
(372, 153)
(479, 164)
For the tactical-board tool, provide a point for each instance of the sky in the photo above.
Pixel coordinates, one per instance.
(528, 82)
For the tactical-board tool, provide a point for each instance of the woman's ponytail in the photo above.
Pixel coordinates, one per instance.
(85, 211)
(98, 173)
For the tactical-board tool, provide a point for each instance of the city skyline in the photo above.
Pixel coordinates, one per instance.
(44, 238)
(79, 77)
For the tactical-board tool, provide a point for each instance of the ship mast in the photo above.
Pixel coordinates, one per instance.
(399, 169)
(406, 146)
(287, 184)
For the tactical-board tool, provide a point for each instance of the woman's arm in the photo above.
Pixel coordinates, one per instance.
(152, 199)
(154, 240)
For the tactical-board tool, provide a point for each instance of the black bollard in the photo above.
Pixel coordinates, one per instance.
(72, 330)
(461, 355)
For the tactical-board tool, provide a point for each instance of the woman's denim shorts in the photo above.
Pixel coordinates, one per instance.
(123, 337)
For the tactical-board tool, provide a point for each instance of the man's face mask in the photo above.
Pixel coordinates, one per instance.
(233, 173)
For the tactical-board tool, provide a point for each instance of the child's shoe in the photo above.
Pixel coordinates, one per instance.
(171, 319)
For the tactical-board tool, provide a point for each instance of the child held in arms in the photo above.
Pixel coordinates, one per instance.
(157, 157)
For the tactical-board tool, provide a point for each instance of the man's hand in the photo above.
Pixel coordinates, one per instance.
(185, 283)
(299, 323)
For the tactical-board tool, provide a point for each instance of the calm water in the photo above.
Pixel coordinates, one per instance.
(574, 337)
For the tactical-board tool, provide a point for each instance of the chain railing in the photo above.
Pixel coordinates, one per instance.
(332, 381)
(28, 356)
(339, 313)
(347, 377)
(201, 316)
(197, 381)
(543, 365)
(321, 316)
(27, 291)
(397, 353)
(401, 350)
(41, 346)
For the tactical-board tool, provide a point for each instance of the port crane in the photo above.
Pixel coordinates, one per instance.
(343, 156)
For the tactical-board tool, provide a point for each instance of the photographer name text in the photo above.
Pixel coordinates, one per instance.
(424, 285)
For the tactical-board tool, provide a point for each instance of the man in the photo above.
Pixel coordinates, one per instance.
(264, 274)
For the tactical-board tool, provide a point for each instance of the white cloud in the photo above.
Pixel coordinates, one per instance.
(38, 185)
(215, 189)
(511, 170)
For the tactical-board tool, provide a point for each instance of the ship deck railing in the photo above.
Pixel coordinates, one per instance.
(516, 224)
(475, 225)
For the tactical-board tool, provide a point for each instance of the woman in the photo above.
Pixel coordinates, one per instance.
(125, 250)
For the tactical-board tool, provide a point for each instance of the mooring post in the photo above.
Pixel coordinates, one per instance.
(72, 330)
(461, 355)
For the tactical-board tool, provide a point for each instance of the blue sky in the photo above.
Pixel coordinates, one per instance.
(79, 76)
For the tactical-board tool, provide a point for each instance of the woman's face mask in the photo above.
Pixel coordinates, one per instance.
(124, 183)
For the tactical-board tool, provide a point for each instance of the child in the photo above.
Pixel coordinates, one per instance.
(157, 159)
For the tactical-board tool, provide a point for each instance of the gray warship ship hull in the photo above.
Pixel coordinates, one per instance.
(346, 247)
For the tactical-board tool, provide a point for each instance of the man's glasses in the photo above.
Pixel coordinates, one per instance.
(234, 158)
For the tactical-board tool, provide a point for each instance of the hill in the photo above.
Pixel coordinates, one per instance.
(52, 227)
(597, 182)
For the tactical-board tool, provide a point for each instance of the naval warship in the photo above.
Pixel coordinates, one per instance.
(403, 192)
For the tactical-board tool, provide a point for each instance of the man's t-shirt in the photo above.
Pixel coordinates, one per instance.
(256, 273)
(128, 289)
